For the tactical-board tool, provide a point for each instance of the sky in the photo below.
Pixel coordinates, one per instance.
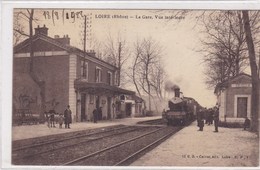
(178, 35)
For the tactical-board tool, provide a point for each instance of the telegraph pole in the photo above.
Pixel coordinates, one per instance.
(84, 65)
(119, 62)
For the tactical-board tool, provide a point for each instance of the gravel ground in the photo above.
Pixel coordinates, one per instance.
(189, 147)
(69, 142)
(32, 131)
(48, 138)
(60, 156)
(110, 157)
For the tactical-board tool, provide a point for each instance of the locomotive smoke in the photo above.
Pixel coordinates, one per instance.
(170, 86)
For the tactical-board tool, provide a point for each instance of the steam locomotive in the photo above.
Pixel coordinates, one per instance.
(181, 109)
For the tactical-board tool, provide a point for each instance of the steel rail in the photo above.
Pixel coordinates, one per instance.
(85, 141)
(158, 141)
(151, 122)
(60, 140)
(111, 147)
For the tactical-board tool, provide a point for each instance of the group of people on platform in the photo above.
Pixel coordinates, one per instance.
(213, 114)
(66, 117)
(209, 115)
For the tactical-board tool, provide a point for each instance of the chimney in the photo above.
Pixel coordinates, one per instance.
(177, 92)
(41, 30)
(64, 40)
(91, 53)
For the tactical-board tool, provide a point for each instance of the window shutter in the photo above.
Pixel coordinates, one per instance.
(107, 78)
(87, 71)
(100, 75)
(96, 75)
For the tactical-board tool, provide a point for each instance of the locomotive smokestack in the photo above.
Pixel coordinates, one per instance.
(177, 92)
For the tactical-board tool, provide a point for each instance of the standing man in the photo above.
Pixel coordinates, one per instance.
(67, 117)
(216, 119)
(200, 119)
(100, 113)
(246, 123)
(95, 115)
(211, 113)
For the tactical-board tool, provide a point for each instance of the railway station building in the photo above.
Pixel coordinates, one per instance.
(67, 76)
(234, 98)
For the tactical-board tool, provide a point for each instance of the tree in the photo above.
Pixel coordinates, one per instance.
(147, 71)
(18, 31)
(116, 53)
(98, 48)
(158, 76)
(28, 15)
(255, 78)
(134, 70)
(233, 36)
(224, 47)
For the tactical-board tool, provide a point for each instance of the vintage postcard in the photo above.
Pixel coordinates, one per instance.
(137, 88)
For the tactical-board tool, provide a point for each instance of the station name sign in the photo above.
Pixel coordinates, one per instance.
(241, 85)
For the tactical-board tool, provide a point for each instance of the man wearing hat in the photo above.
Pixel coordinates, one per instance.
(67, 117)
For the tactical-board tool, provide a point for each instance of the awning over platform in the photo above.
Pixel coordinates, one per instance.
(100, 88)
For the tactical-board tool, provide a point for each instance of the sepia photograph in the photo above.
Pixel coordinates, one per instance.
(135, 88)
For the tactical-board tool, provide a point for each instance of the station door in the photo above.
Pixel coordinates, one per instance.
(242, 107)
(83, 107)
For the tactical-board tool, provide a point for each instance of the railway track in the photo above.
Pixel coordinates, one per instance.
(116, 146)
(134, 156)
(65, 139)
(154, 122)
(133, 147)
(42, 153)
(39, 141)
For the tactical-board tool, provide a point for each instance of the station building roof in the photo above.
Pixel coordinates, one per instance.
(225, 84)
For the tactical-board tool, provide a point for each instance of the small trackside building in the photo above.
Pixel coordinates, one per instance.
(234, 98)
(67, 77)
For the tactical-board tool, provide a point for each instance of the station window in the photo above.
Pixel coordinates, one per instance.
(98, 74)
(84, 70)
(116, 78)
(109, 78)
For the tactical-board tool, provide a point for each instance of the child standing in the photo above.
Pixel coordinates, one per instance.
(52, 116)
(47, 119)
(60, 119)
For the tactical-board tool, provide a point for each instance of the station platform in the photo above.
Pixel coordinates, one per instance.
(230, 147)
(32, 131)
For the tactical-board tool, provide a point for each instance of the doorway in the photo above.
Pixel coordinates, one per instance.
(109, 108)
(242, 107)
(128, 109)
(83, 107)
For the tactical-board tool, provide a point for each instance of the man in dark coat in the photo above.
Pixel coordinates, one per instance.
(67, 117)
(200, 119)
(216, 119)
(95, 115)
(246, 123)
(211, 113)
(99, 110)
